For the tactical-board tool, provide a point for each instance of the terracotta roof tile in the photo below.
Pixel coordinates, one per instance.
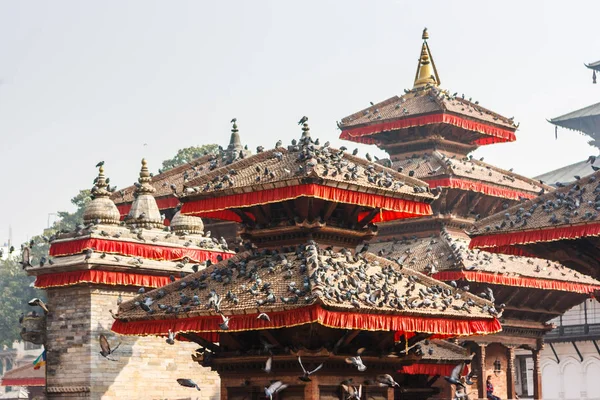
(574, 204)
(262, 282)
(420, 102)
(430, 166)
(449, 251)
(443, 350)
(175, 176)
(289, 167)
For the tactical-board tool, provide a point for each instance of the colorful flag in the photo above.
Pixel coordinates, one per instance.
(41, 360)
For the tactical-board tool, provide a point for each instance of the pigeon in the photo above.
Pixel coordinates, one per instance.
(264, 317)
(105, 350)
(225, 324)
(353, 393)
(268, 365)
(188, 383)
(387, 380)
(274, 388)
(357, 361)
(306, 374)
(171, 338)
(101, 163)
(119, 299)
(303, 120)
(454, 378)
(490, 294)
(37, 302)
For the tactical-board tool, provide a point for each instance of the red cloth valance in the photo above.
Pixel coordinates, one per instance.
(497, 134)
(479, 187)
(521, 281)
(163, 203)
(100, 277)
(148, 251)
(209, 207)
(439, 327)
(24, 382)
(430, 369)
(549, 234)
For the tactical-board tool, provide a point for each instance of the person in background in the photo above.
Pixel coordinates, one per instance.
(489, 388)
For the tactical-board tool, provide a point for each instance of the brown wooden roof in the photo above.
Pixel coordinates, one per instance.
(449, 251)
(176, 176)
(434, 165)
(576, 204)
(282, 167)
(422, 102)
(302, 276)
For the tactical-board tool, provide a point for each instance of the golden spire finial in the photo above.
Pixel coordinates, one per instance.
(426, 71)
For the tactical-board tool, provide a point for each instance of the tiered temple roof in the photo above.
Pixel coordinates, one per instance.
(306, 281)
(466, 173)
(446, 117)
(169, 185)
(549, 224)
(138, 252)
(447, 257)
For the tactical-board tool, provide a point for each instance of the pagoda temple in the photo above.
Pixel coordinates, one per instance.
(169, 185)
(89, 272)
(562, 226)
(428, 133)
(301, 292)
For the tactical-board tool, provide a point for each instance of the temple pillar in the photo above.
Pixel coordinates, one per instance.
(482, 369)
(311, 389)
(510, 373)
(537, 373)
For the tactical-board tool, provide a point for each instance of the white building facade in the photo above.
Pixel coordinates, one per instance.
(570, 362)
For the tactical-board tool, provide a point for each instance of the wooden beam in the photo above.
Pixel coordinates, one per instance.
(354, 214)
(512, 295)
(474, 203)
(288, 210)
(532, 310)
(345, 340)
(269, 336)
(201, 341)
(455, 202)
(260, 215)
(245, 219)
(329, 210)
(417, 338)
(368, 218)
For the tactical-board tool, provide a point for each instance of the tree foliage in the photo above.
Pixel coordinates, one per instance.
(188, 154)
(16, 290)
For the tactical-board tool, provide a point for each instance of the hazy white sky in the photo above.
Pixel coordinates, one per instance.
(89, 81)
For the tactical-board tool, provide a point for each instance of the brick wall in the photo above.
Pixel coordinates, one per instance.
(146, 367)
(492, 352)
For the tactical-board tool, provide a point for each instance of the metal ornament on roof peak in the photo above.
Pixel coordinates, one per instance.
(101, 208)
(100, 185)
(426, 72)
(145, 187)
(305, 130)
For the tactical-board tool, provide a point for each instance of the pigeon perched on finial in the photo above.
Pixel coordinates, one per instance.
(303, 120)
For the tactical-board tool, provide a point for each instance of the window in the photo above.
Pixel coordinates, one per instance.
(31, 346)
